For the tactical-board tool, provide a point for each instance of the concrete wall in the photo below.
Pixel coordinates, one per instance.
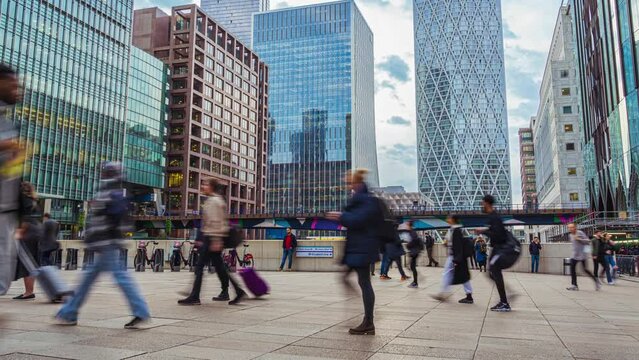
(268, 254)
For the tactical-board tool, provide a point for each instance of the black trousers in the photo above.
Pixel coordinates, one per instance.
(431, 259)
(573, 270)
(368, 295)
(207, 257)
(495, 271)
(400, 268)
(413, 266)
(601, 260)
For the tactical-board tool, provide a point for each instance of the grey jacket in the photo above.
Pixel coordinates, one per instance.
(579, 242)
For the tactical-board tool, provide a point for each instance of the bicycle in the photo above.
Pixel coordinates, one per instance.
(177, 257)
(232, 259)
(142, 259)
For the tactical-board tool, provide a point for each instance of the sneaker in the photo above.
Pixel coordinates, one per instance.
(573, 288)
(135, 323)
(467, 300)
(224, 296)
(22, 297)
(413, 286)
(189, 301)
(440, 297)
(64, 322)
(501, 307)
(238, 298)
(279, 270)
(385, 277)
(598, 285)
(404, 278)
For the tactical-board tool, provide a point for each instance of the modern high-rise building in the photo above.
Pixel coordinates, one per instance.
(218, 107)
(236, 16)
(462, 124)
(557, 134)
(607, 44)
(321, 103)
(73, 58)
(145, 149)
(527, 167)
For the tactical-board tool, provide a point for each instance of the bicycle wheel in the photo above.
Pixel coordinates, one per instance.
(158, 261)
(175, 261)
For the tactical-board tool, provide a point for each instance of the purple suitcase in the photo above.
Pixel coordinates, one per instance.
(254, 282)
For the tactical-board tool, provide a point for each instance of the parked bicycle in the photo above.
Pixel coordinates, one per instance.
(156, 261)
(232, 259)
(177, 260)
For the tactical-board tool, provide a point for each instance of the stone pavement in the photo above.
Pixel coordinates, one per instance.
(307, 317)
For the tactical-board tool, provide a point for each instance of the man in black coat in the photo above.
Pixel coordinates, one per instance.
(49, 240)
(430, 244)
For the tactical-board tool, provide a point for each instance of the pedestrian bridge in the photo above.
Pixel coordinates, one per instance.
(423, 219)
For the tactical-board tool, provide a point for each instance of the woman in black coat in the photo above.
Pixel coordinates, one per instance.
(456, 268)
(29, 234)
(362, 242)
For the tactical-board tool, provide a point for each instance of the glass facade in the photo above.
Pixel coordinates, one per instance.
(608, 73)
(236, 16)
(73, 57)
(144, 153)
(527, 166)
(321, 103)
(462, 125)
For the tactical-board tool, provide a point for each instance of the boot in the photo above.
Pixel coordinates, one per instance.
(365, 328)
(224, 296)
(467, 300)
(240, 295)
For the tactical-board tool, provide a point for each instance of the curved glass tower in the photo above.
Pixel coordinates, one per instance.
(462, 125)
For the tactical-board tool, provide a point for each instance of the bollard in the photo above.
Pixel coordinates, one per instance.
(566, 265)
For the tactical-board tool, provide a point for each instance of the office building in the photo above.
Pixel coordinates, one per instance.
(73, 58)
(462, 124)
(145, 149)
(559, 166)
(607, 75)
(321, 103)
(236, 16)
(217, 107)
(527, 167)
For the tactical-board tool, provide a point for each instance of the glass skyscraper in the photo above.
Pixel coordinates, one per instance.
(73, 57)
(144, 153)
(462, 125)
(607, 43)
(236, 16)
(321, 102)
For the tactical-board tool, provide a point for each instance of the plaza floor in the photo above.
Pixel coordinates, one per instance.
(307, 316)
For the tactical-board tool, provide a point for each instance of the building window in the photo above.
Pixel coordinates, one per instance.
(574, 197)
(567, 110)
(565, 92)
(564, 74)
(570, 146)
(572, 171)
(568, 128)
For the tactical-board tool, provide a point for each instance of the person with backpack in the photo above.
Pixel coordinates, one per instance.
(456, 268)
(429, 242)
(506, 251)
(106, 224)
(415, 247)
(362, 242)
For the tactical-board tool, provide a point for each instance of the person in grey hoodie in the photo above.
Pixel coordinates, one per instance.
(579, 242)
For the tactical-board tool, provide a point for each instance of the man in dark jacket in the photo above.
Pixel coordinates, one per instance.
(289, 244)
(456, 268)
(415, 247)
(599, 248)
(535, 250)
(430, 245)
(49, 240)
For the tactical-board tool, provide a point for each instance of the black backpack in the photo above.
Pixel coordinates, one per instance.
(387, 229)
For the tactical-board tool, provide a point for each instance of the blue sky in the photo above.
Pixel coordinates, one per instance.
(528, 28)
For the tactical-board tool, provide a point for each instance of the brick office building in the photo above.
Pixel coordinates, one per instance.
(218, 108)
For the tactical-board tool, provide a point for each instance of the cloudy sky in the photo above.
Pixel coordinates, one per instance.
(528, 27)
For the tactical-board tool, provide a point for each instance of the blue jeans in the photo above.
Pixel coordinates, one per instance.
(611, 264)
(106, 260)
(535, 263)
(385, 265)
(287, 253)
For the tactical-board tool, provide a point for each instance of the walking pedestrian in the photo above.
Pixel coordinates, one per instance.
(599, 252)
(610, 259)
(394, 251)
(481, 253)
(535, 250)
(215, 227)
(503, 254)
(360, 217)
(11, 164)
(429, 241)
(28, 233)
(579, 242)
(106, 224)
(289, 244)
(456, 267)
(415, 247)
(49, 240)
(385, 265)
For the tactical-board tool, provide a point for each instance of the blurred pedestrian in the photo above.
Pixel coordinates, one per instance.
(415, 247)
(481, 253)
(215, 227)
(49, 240)
(394, 251)
(361, 216)
(456, 267)
(610, 259)
(385, 265)
(289, 244)
(535, 251)
(106, 224)
(429, 242)
(599, 251)
(29, 233)
(11, 164)
(579, 243)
